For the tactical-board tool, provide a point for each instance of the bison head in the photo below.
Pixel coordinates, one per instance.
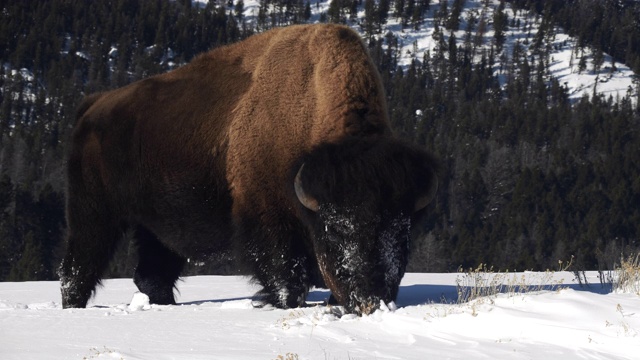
(360, 199)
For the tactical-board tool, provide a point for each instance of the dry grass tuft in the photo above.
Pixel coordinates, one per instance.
(626, 277)
(287, 356)
(485, 283)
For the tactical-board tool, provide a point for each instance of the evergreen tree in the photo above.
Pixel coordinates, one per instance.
(526, 172)
(382, 13)
(369, 18)
(453, 22)
(335, 12)
(500, 23)
(30, 266)
(239, 9)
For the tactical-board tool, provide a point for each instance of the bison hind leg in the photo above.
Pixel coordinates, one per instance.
(158, 268)
(92, 236)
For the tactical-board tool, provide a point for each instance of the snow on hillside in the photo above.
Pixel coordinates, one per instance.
(214, 319)
(612, 79)
(616, 81)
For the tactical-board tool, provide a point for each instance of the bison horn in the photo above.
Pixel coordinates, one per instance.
(423, 201)
(308, 201)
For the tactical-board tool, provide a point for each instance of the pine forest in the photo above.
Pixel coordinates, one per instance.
(531, 177)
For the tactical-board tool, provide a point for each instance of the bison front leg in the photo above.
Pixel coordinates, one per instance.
(284, 285)
(278, 262)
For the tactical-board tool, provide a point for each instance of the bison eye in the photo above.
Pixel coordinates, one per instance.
(305, 199)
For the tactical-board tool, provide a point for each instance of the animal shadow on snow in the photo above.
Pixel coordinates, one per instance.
(200, 302)
(408, 295)
(420, 294)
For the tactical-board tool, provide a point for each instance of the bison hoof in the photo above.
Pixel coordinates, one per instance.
(73, 305)
(260, 304)
(281, 299)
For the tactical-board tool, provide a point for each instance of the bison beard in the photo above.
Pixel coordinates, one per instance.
(276, 150)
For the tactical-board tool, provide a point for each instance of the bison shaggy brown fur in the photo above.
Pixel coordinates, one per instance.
(276, 149)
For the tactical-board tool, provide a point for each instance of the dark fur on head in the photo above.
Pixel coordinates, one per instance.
(366, 190)
(360, 170)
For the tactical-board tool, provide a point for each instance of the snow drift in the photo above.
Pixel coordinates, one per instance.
(215, 320)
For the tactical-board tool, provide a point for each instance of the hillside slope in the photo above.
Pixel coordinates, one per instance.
(572, 65)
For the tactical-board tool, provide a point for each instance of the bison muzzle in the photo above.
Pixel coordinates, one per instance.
(276, 150)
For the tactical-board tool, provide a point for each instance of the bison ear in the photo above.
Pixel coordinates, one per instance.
(425, 199)
(308, 201)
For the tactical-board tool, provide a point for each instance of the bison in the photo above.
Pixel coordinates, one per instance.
(276, 149)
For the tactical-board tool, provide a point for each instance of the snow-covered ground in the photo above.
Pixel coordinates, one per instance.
(215, 320)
